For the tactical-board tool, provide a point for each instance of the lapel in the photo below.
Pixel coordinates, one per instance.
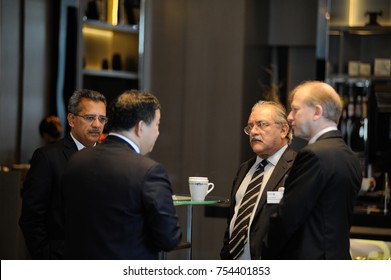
(244, 168)
(69, 146)
(278, 176)
(242, 173)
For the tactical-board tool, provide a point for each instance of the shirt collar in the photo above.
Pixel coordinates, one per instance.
(130, 142)
(79, 145)
(273, 159)
(320, 133)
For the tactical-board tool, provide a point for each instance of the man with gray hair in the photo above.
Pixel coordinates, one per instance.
(259, 182)
(41, 219)
(314, 216)
(117, 201)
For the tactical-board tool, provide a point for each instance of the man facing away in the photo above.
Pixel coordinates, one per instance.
(314, 216)
(118, 202)
(269, 135)
(41, 221)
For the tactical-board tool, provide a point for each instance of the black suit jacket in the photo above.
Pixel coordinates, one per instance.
(118, 205)
(41, 220)
(314, 216)
(260, 221)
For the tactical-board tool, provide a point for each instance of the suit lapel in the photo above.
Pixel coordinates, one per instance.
(69, 146)
(245, 167)
(280, 171)
(242, 173)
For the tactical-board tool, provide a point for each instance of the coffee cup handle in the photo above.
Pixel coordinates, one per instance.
(210, 187)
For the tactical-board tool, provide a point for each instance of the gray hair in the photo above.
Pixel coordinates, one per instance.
(78, 95)
(280, 117)
(321, 93)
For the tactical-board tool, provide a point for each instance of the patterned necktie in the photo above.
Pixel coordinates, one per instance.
(242, 222)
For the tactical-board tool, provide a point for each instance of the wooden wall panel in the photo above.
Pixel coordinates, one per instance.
(196, 55)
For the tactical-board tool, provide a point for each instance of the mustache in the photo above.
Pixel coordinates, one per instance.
(256, 138)
(95, 130)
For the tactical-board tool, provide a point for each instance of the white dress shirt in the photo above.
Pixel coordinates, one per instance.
(79, 145)
(130, 142)
(320, 133)
(273, 160)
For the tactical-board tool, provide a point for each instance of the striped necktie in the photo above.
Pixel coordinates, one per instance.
(242, 222)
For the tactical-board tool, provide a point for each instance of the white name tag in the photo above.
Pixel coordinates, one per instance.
(274, 197)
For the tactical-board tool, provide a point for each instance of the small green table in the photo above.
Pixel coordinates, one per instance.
(185, 200)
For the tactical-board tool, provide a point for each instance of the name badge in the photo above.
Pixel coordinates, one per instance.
(274, 197)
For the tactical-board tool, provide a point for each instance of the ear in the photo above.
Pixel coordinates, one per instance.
(318, 112)
(71, 119)
(285, 130)
(138, 128)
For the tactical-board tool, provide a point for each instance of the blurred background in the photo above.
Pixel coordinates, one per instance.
(208, 62)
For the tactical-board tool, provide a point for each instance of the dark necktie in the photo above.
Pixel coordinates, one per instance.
(242, 222)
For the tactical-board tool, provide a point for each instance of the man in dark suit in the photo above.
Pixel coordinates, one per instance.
(314, 216)
(269, 134)
(41, 221)
(118, 202)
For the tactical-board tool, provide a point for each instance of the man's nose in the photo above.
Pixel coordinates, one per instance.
(96, 123)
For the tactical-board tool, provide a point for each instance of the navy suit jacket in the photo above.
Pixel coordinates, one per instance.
(118, 204)
(41, 221)
(259, 225)
(314, 216)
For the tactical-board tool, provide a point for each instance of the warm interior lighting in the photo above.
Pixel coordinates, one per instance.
(114, 12)
(98, 32)
(358, 11)
(352, 6)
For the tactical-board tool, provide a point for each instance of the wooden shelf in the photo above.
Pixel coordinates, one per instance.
(360, 30)
(111, 74)
(357, 79)
(101, 41)
(126, 28)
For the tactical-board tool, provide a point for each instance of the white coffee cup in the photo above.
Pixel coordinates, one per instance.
(199, 188)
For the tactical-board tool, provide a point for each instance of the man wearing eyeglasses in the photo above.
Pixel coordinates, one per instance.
(117, 201)
(269, 134)
(41, 219)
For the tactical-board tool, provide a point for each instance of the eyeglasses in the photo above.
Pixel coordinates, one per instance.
(259, 125)
(92, 118)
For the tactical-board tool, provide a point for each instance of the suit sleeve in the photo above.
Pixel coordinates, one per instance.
(303, 186)
(161, 217)
(35, 206)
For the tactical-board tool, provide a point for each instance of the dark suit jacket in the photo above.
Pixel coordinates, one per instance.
(260, 222)
(118, 205)
(314, 216)
(41, 221)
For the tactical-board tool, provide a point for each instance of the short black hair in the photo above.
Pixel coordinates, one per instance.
(131, 107)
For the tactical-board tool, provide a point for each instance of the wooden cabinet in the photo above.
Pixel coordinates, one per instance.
(110, 53)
